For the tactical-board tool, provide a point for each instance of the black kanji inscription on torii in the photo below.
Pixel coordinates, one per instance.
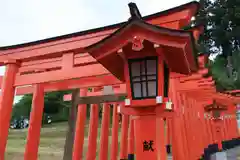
(148, 145)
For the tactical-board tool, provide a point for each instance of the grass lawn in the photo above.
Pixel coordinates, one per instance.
(51, 142)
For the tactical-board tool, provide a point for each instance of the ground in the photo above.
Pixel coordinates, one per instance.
(51, 142)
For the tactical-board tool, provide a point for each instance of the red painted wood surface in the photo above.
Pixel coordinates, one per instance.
(103, 153)
(64, 63)
(115, 129)
(124, 137)
(6, 102)
(80, 129)
(35, 125)
(93, 133)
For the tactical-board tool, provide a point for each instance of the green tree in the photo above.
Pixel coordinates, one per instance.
(53, 104)
(221, 36)
(23, 107)
(225, 29)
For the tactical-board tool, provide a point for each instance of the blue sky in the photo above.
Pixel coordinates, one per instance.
(27, 20)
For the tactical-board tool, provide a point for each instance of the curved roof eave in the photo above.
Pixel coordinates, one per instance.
(110, 40)
(143, 24)
(148, 17)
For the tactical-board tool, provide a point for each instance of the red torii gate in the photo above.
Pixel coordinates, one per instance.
(57, 61)
(202, 92)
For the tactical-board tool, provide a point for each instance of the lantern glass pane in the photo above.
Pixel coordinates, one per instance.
(143, 77)
(135, 69)
(137, 90)
(152, 88)
(151, 67)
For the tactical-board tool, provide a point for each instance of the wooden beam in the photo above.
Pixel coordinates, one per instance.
(117, 90)
(60, 75)
(85, 82)
(102, 99)
(56, 47)
(46, 64)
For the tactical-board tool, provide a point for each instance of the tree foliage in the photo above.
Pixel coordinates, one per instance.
(53, 103)
(221, 19)
(221, 36)
(220, 73)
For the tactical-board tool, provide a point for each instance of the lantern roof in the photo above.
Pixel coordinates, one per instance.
(235, 93)
(178, 46)
(215, 106)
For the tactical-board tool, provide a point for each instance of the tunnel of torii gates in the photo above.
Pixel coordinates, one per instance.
(178, 88)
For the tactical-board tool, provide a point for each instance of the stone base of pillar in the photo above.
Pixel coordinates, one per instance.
(219, 156)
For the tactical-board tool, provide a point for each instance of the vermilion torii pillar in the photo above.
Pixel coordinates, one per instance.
(6, 102)
(194, 91)
(80, 127)
(33, 138)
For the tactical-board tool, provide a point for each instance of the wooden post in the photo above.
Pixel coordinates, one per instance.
(229, 133)
(213, 129)
(187, 126)
(68, 147)
(218, 131)
(103, 155)
(6, 101)
(198, 128)
(131, 140)
(206, 132)
(210, 131)
(202, 128)
(115, 126)
(34, 130)
(195, 128)
(124, 137)
(179, 138)
(145, 137)
(192, 121)
(160, 139)
(169, 130)
(235, 127)
(80, 128)
(225, 129)
(93, 132)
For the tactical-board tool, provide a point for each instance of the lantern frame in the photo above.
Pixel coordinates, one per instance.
(143, 77)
